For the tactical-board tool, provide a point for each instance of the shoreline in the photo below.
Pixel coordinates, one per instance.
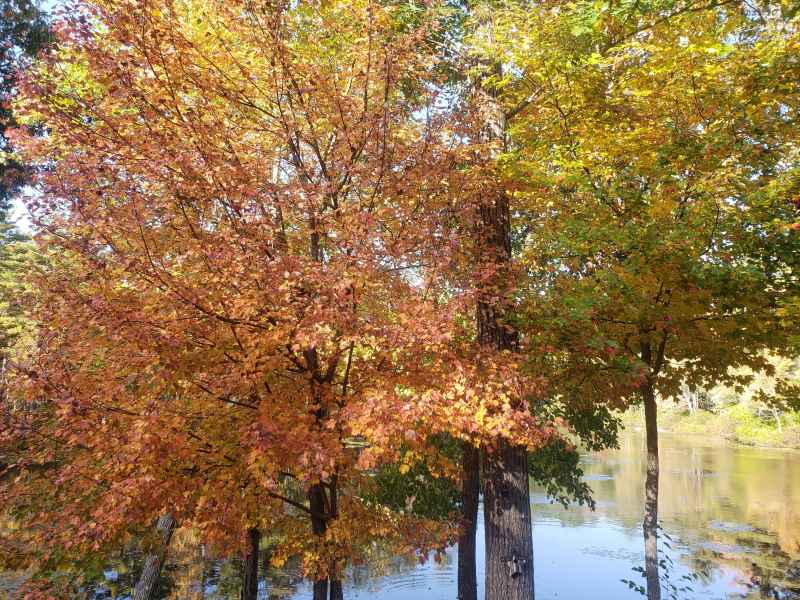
(729, 427)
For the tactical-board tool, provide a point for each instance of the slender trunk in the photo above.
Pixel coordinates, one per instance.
(155, 560)
(320, 589)
(320, 503)
(336, 584)
(470, 490)
(250, 579)
(202, 571)
(336, 590)
(3, 389)
(777, 416)
(319, 525)
(650, 524)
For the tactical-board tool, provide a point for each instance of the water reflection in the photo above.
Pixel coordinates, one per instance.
(732, 513)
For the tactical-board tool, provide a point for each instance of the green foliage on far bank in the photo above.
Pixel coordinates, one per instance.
(739, 424)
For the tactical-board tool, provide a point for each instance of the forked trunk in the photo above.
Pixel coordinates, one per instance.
(155, 560)
(470, 490)
(250, 579)
(650, 524)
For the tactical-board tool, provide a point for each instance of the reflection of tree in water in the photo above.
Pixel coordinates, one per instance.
(222, 579)
(190, 574)
(673, 585)
(735, 511)
(730, 506)
(763, 567)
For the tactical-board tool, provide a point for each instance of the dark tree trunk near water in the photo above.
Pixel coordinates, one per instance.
(507, 523)
(650, 524)
(155, 560)
(323, 507)
(320, 589)
(250, 578)
(336, 590)
(470, 491)
(333, 504)
(319, 525)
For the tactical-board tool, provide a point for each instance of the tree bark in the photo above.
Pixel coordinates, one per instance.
(470, 490)
(320, 589)
(650, 524)
(155, 560)
(507, 522)
(319, 525)
(507, 508)
(335, 584)
(250, 578)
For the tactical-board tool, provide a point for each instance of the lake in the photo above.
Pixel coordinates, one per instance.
(732, 515)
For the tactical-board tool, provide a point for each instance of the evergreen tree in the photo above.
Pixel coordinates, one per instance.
(23, 33)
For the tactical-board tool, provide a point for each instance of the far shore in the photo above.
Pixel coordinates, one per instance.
(732, 425)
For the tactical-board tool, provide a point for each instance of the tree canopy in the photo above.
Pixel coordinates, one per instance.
(292, 254)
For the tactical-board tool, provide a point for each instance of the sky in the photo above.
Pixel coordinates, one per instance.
(19, 214)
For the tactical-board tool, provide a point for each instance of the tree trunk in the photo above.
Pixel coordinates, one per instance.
(507, 522)
(320, 589)
(506, 498)
(320, 502)
(250, 579)
(335, 584)
(650, 525)
(202, 571)
(777, 416)
(319, 525)
(336, 590)
(155, 560)
(470, 490)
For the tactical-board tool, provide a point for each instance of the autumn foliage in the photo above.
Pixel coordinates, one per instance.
(261, 270)
(252, 237)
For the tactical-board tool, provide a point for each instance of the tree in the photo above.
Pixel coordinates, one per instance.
(230, 201)
(294, 243)
(254, 237)
(250, 575)
(657, 164)
(23, 33)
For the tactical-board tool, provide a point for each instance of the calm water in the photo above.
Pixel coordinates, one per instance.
(732, 513)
